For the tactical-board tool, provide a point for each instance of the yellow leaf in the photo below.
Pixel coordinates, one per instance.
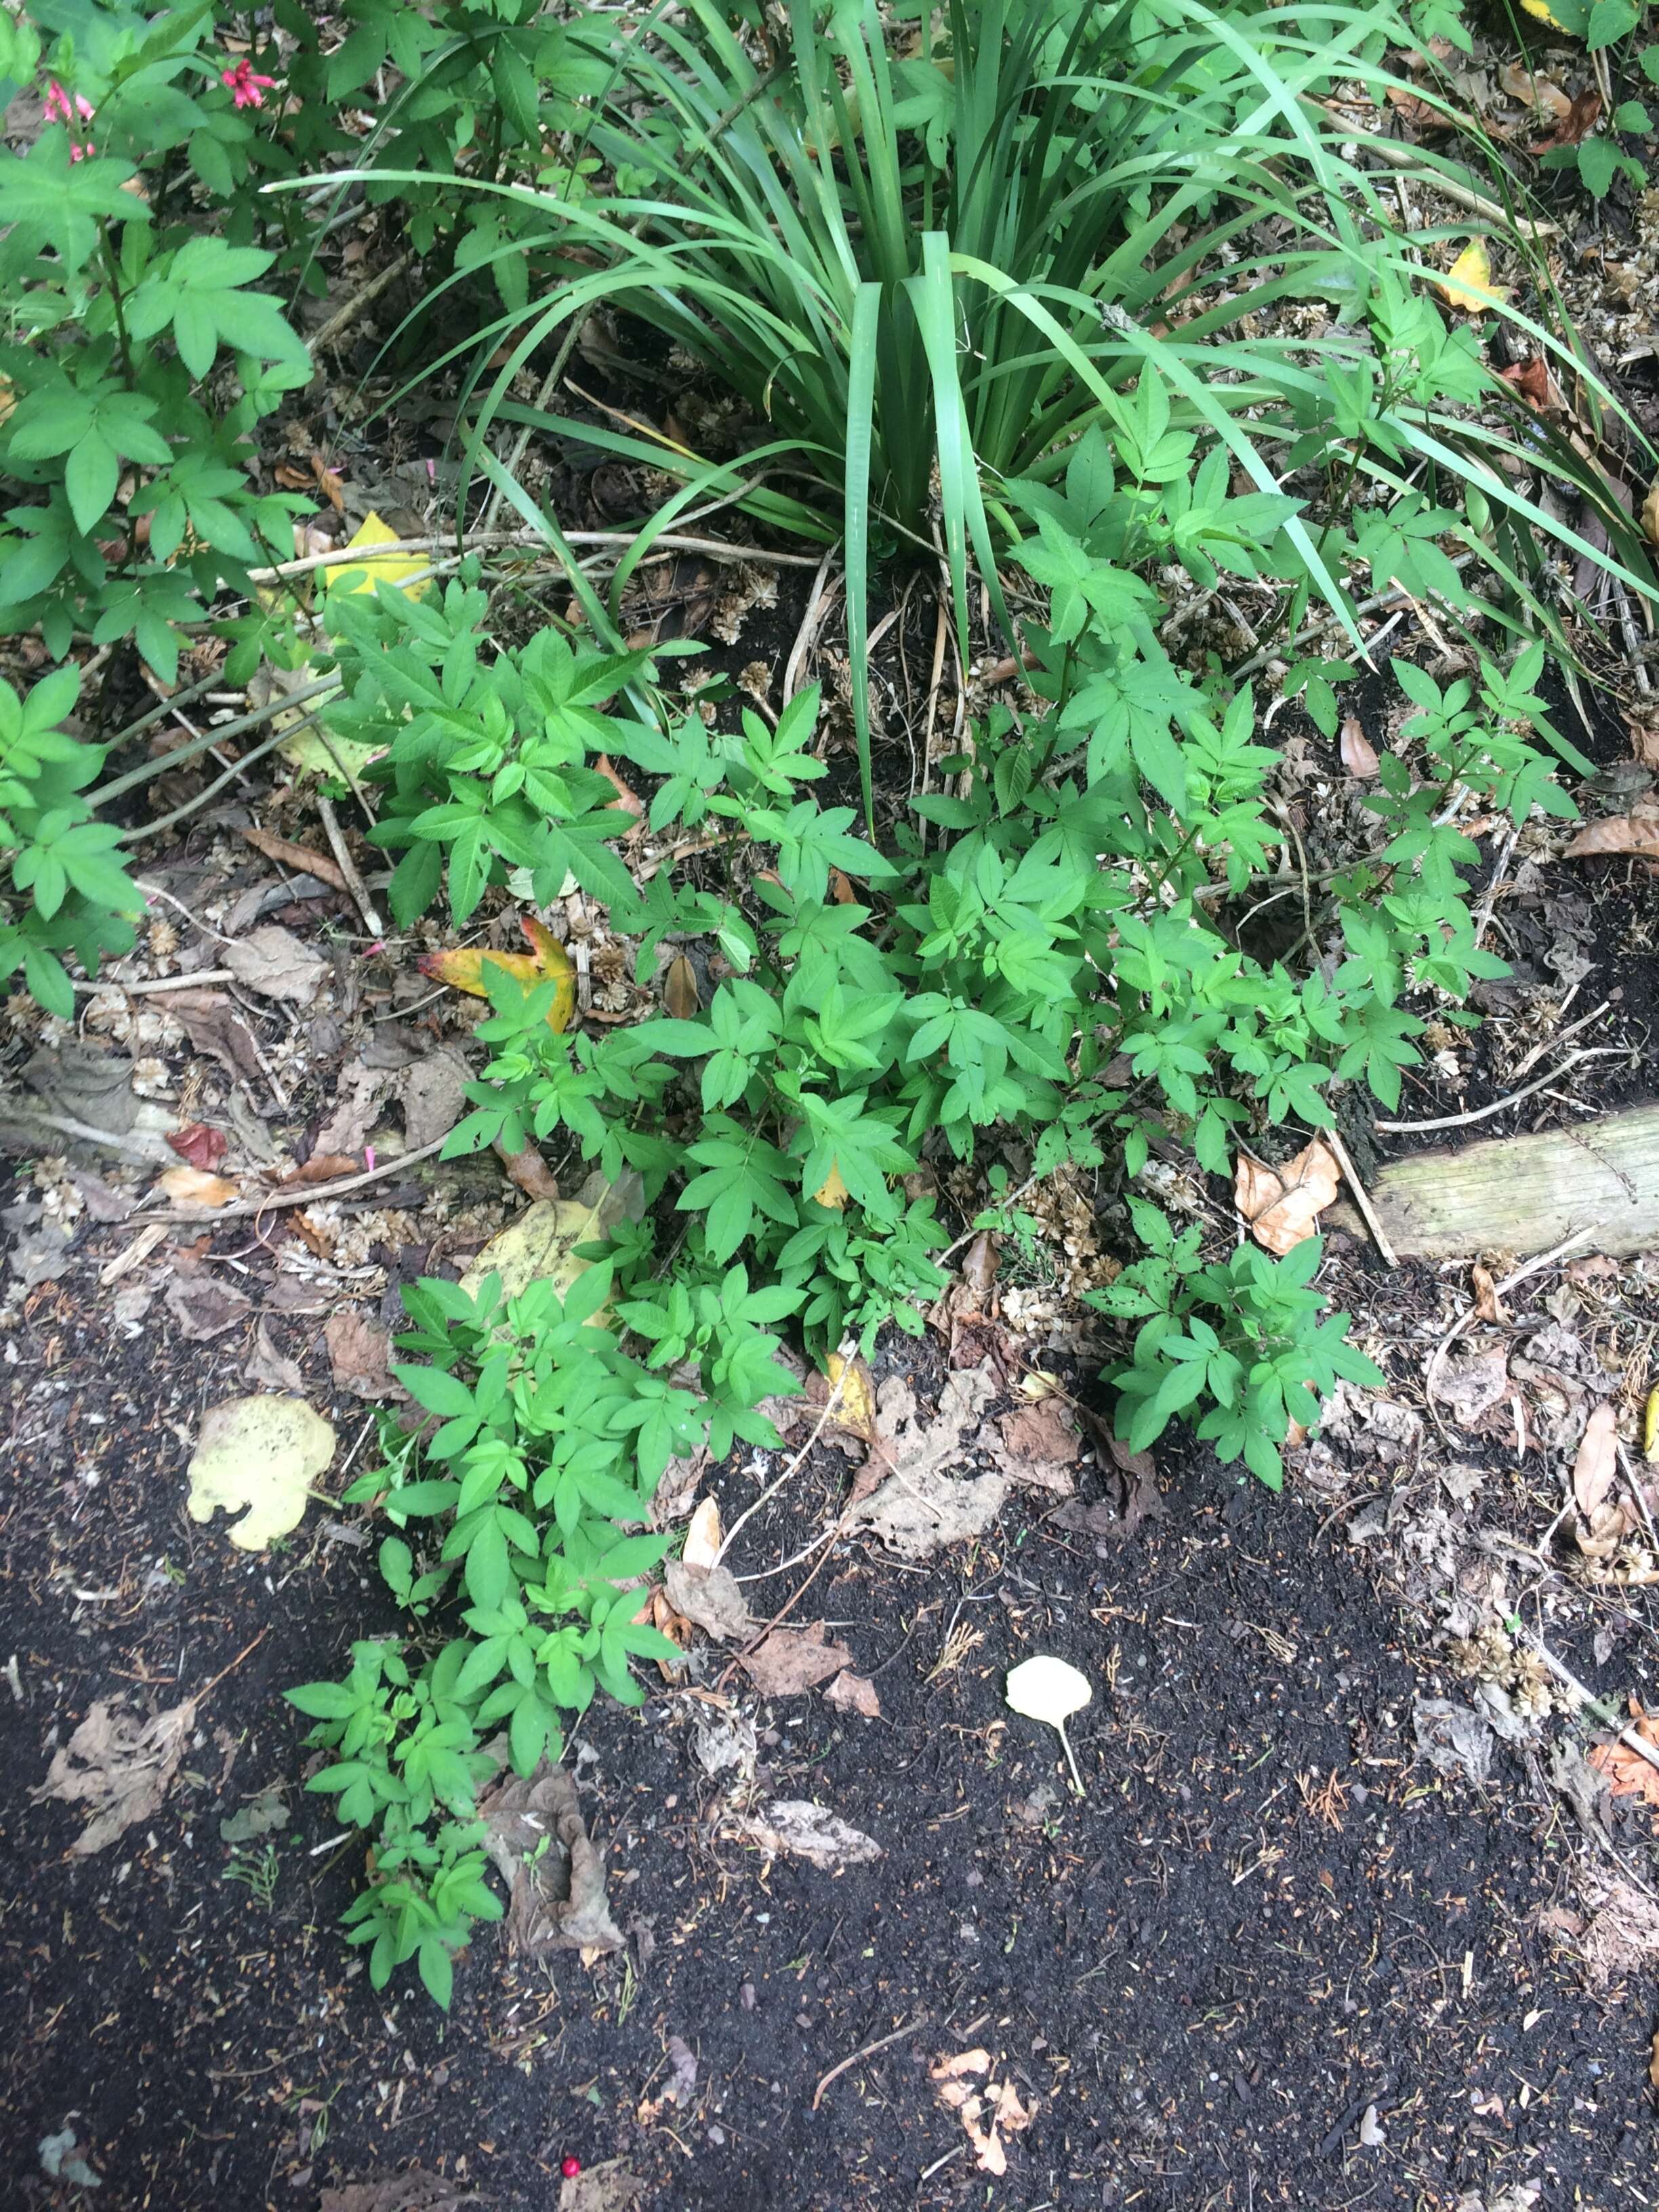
(264, 1453)
(1472, 267)
(466, 968)
(1651, 1427)
(855, 1407)
(540, 1245)
(378, 568)
(833, 1191)
(1540, 10)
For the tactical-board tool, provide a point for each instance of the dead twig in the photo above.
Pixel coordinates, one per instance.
(348, 867)
(1627, 1736)
(363, 297)
(1502, 1105)
(1532, 1266)
(869, 2050)
(847, 1348)
(1379, 1235)
(245, 1208)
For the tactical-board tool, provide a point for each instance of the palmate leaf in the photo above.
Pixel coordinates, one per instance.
(52, 200)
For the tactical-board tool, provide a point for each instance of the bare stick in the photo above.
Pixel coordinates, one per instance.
(311, 1195)
(869, 2051)
(65, 1125)
(1502, 1105)
(1379, 1235)
(798, 1461)
(359, 889)
(717, 548)
(157, 983)
(365, 296)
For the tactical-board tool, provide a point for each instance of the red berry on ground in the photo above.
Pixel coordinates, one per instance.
(570, 2167)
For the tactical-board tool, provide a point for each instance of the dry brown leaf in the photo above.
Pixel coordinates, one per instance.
(322, 1167)
(274, 963)
(791, 1661)
(987, 2111)
(1617, 833)
(1282, 1204)
(119, 1767)
(360, 1354)
(1583, 113)
(855, 1694)
(1653, 2063)
(1629, 1775)
(1359, 754)
(1539, 92)
(1041, 1446)
(529, 1172)
(628, 799)
(925, 1498)
(680, 994)
(1597, 1464)
(1531, 381)
(535, 1833)
(1487, 1304)
(797, 1826)
(1650, 512)
(288, 855)
(195, 1187)
(710, 1598)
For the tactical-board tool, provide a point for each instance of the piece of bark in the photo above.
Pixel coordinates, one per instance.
(1522, 1195)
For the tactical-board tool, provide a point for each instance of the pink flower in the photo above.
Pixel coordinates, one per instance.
(247, 89)
(58, 109)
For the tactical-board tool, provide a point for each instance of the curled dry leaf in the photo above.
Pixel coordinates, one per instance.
(680, 994)
(1615, 834)
(1359, 754)
(1539, 92)
(1583, 113)
(853, 1388)
(1487, 1304)
(274, 963)
(1282, 1204)
(988, 2109)
(628, 799)
(711, 1598)
(1597, 1463)
(1531, 381)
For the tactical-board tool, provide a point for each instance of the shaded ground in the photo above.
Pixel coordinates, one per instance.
(1267, 1917)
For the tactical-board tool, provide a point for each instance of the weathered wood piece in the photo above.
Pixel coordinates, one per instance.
(1522, 1195)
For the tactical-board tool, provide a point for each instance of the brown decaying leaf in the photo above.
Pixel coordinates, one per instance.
(1597, 1463)
(1041, 1446)
(530, 1172)
(1629, 1775)
(1583, 113)
(359, 1353)
(791, 1661)
(1538, 92)
(288, 855)
(797, 1828)
(1281, 1204)
(274, 963)
(987, 2109)
(1487, 1304)
(199, 1146)
(119, 1767)
(557, 1898)
(628, 799)
(709, 1598)
(1615, 834)
(414, 2192)
(1359, 754)
(855, 1694)
(1531, 381)
(322, 1167)
(679, 990)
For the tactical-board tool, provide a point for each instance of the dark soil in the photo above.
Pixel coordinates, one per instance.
(1264, 1919)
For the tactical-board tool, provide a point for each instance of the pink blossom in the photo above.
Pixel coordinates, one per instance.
(58, 109)
(247, 89)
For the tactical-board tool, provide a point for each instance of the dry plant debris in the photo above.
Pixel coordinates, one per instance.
(1282, 1206)
(965, 2082)
(119, 1767)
